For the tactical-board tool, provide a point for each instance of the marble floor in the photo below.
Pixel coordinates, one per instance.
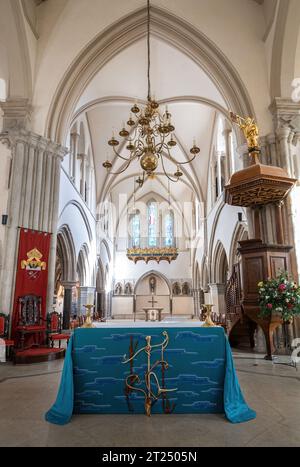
(27, 391)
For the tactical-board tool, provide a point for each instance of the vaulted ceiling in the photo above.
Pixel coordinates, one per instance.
(176, 81)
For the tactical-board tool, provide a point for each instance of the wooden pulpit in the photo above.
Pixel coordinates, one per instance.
(260, 261)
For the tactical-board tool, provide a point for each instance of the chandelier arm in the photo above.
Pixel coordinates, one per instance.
(121, 157)
(175, 160)
(168, 176)
(161, 144)
(126, 167)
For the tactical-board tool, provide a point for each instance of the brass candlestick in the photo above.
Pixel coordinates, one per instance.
(208, 321)
(88, 320)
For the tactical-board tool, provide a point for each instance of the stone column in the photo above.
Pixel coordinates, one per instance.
(271, 141)
(283, 134)
(74, 140)
(33, 196)
(217, 293)
(83, 158)
(230, 160)
(219, 166)
(67, 308)
(91, 187)
(86, 297)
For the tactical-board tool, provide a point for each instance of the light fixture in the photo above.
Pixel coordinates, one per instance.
(149, 136)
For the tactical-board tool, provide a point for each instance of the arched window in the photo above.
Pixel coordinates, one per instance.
(152, 224)
(135, 230)
(169, 229)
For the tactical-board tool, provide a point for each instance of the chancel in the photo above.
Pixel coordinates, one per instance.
(150, 239)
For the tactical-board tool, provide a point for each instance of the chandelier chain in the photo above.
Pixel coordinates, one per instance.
(148, 47)
(149, 135)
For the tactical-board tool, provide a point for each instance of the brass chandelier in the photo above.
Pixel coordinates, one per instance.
(149, 137)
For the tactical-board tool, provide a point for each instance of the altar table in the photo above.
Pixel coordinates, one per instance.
(200, 371)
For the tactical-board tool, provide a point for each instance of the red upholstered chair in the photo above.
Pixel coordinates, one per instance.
(55, 329)
(30, 320)
(4, 326)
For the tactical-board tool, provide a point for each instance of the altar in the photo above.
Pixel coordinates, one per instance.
(152, 368)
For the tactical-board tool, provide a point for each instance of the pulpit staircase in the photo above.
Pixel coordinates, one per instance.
(240, 329)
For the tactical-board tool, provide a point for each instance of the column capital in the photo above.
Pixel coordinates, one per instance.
(13, 136)
(68, 284)
(286, 113)
(16, 114)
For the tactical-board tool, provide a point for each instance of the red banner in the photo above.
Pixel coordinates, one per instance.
(32, 270)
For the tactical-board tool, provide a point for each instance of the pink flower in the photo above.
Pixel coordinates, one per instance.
(269, 306)
(282, 287)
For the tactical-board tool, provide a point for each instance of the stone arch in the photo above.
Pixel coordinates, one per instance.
(153, 273)
(83, 265)
(163, 295)
(107, 249)
(66, 253)
(285, 48)
(126, 31)
(83, 215)
(219, 265)
(240, 233)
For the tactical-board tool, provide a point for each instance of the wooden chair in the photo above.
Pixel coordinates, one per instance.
(55, 329)
(30, 320)
(4, 329)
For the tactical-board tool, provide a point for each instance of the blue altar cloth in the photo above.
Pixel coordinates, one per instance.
(200, 368)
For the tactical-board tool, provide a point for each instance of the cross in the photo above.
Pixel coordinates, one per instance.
(152, 301)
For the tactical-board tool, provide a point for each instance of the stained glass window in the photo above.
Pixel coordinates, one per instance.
(169, 229)
(152, 224)
(135, 230)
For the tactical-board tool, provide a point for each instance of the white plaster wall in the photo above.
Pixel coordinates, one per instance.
(178, 269)
(122, 305)
(183, 306)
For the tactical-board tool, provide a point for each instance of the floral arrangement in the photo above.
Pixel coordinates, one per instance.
(280, 295)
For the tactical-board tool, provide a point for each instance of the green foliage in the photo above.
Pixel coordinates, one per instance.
(281, 295)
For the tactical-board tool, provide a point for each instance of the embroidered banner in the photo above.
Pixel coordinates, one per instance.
(32, 270)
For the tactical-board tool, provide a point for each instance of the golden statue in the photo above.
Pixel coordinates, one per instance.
(250, 130)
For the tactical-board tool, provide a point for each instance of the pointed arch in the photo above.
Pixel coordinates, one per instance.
(153, 273)
(240, 233)
(66, 253)
(128, 30)
(219, 265)
(83, 267)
